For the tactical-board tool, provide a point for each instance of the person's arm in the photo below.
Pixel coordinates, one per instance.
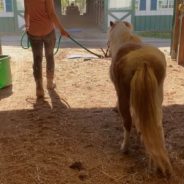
(52, 15)
(26, 15)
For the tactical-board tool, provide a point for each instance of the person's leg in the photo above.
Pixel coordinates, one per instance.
(37, 49)
(49, 43)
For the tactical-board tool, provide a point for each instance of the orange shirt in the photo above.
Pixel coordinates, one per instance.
(40, 23)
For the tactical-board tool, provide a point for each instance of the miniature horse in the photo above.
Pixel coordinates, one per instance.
(138, 72)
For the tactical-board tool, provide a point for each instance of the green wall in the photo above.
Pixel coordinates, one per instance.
(7, 24)
(141, 23)
(153, 23)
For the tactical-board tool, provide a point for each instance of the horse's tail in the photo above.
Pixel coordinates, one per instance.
(145, 104)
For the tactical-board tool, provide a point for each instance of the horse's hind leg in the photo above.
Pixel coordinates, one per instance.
(124, 110)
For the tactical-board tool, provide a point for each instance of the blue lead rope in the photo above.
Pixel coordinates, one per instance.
(27, 46)
(99, 56)
(22, 40)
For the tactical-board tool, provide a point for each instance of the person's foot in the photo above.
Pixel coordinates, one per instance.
(51, 84)
(39, 89)
(40, 93)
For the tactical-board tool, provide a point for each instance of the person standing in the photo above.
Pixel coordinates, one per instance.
(40, 22)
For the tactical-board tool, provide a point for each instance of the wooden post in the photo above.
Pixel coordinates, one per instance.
(180, 55)
(0, 48)
(175, 33)
(58, 7)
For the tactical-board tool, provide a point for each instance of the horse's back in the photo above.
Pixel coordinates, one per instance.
(131, 57)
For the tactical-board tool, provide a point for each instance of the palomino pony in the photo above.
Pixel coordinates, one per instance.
(138, 72)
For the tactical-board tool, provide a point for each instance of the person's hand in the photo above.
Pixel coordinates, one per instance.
(64, 33)
(26, 27)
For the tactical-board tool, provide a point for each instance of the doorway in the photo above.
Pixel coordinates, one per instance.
(81, 13)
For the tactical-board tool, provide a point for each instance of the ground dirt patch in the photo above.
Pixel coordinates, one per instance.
(74, 135)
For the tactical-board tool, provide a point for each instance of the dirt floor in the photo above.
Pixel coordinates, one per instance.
(74, 136)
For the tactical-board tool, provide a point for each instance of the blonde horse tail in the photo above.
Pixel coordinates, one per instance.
(146, 109)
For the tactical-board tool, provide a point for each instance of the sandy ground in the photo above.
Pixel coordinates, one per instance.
(74, 135)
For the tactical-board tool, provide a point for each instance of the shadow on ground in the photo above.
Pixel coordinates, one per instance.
(41, 145)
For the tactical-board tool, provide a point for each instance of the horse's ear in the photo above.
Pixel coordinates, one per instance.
(127, 24)
(111, 23)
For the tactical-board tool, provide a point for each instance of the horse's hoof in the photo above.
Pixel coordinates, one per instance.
(115, 109)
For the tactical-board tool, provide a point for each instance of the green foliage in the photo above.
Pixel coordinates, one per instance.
(67, 2)
(64, 3)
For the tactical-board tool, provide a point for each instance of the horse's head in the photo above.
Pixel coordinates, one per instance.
(120, 32)
(123, 24)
